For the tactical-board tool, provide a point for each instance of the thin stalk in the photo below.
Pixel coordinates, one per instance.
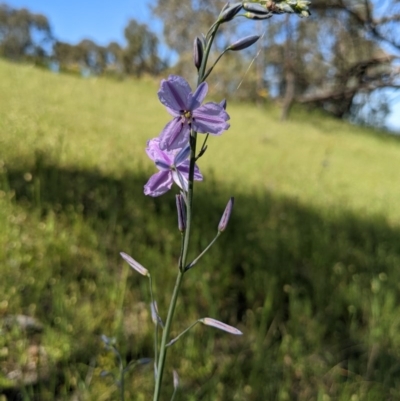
(210, 41)
(191, 264)
(215, 63)
(121, 374)
(163, 348)
(156, 323)
(184, 253)
(180, 335)
(203, 147)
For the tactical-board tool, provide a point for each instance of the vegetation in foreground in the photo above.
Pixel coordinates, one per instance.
(308, 269)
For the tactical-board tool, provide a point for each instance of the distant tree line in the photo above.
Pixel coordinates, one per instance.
(337, 60)
(25, 36)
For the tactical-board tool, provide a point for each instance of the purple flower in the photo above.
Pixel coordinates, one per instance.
(176, 95)
(173, 166)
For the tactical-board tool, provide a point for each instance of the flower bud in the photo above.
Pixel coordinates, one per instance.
(230, 12)
(284, 8)
(255, 8)
(155, 317)
(208, 321)
(223, 104)
(176, 379)
(135, 265)
(244, 43)
(257, 17)
(197, 52)
(305, 13)
(180, 206)
(227, 214)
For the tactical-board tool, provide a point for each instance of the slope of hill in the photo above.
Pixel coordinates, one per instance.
(309, 267)
(105, 124)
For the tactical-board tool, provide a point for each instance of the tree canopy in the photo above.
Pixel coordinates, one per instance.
(23, 34)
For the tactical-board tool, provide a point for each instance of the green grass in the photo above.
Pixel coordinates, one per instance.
(308, 268)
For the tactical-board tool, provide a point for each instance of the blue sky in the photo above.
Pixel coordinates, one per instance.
(101, 21)
(104, 21)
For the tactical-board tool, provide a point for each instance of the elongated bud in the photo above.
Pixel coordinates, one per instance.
(227, 214)
(230, 12)
(135, 265)
(180, 207)
(155, 317)
(223, 104)
(208, 321)
(244, 43)
(176, 379)
(197, 52)
(257, 17)
(256, 8)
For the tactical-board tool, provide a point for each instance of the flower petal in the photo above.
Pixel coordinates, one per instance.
(175, 135)
(157, 155)
(184, 169)
(211, 118)
(198, 96)
(158, 184)
(174, 93)
(161, 165)
(182, 155)
(173, 112)
(180, 179)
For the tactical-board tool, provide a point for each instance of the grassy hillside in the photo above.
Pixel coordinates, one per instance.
(308, 269)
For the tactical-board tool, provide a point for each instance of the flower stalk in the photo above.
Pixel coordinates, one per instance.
(186, 233)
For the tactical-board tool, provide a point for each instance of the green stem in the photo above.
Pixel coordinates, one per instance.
(210, 41)
(163, 348)
(184, 252)
(180, 335)
(191, 264)
(215, 63)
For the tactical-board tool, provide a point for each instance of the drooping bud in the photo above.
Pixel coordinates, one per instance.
(180, 207)
(208, 321)
(227, 214)
(135, 265)
(256, 8)
(197, 52)
(155, 317)
(176, 379)
(230, 12)
(244, 43)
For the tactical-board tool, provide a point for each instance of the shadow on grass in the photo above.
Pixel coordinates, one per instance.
(316, 292)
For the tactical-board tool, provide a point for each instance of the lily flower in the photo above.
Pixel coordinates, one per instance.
(173, 166)
(176, 95)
